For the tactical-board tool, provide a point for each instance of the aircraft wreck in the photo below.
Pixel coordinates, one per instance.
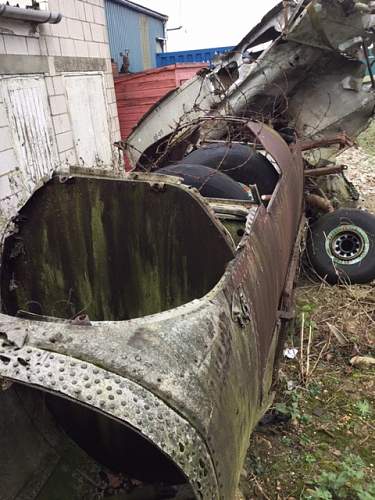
(300, 70)
(143, 314)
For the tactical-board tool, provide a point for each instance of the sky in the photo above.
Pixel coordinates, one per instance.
(209, 23)
(205, 23)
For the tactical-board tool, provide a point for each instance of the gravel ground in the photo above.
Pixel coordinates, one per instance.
(361, 172)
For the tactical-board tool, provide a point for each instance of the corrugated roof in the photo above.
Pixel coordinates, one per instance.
(140, 8)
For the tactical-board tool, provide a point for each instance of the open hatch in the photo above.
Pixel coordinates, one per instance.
(110, 249)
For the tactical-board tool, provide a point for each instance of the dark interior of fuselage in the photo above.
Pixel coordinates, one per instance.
(111, 250)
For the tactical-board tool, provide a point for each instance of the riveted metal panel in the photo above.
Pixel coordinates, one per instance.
(119, 398)
(209, 360)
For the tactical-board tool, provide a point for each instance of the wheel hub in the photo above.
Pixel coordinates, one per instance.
(347, 244)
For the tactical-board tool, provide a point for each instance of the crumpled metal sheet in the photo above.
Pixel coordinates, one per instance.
(310, 77)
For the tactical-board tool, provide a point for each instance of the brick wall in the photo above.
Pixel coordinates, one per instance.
(77, 45)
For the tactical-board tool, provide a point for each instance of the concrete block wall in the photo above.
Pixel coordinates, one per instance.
(77, 45)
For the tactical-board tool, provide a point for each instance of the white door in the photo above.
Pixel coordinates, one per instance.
(89, 118)
(31, 128)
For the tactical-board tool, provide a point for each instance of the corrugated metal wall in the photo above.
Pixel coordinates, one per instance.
(135, 94)
(155, 29)
(190, 56)
(132, 30)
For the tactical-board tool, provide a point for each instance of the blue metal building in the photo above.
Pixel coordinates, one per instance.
(190, 56)
(135, 30)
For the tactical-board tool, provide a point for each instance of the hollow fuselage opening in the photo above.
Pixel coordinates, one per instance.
(53, 449)
(114, 250)
(118, 447)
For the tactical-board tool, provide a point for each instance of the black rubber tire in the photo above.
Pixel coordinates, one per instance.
(341, 246)
(209, 182)
(240, 162)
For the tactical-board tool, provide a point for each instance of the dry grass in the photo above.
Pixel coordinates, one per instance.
(324, 395)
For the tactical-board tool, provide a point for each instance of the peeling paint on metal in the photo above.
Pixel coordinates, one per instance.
(26, 99)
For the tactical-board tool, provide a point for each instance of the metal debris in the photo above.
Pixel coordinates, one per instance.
(189, 375)
(82, 320)
(16, 337)
(301, 69)
(176, 378)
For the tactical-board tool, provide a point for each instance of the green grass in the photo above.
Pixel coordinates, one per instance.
(327, 450)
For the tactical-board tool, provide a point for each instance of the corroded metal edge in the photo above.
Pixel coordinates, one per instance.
(231, 351)
(120, 399)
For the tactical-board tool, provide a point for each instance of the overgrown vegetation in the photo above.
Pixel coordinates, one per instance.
(326, 449)
(348, 481)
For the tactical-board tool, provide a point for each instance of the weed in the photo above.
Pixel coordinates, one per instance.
(348, 482)
(319, 494)
(305, 440)
(308, 328)
(363, 408)
(291, 407)
(287, 441)
(307, 310)
(314, 389)
(309, 458)
(366, 140)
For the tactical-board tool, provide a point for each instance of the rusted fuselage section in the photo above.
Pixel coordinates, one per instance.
(166, 381)
(300, 69)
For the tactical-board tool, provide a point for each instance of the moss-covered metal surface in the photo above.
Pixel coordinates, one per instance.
(115, 250)
(202, 367)
(236, 229)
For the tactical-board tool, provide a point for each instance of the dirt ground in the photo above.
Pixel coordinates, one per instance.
(361, 171)
(326, 447)
(320, 441)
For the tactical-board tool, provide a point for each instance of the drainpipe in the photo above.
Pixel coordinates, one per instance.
(29, 15)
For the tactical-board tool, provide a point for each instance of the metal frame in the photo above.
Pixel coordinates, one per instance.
(199, 383)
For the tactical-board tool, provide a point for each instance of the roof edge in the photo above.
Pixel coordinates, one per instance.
(141, 9)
